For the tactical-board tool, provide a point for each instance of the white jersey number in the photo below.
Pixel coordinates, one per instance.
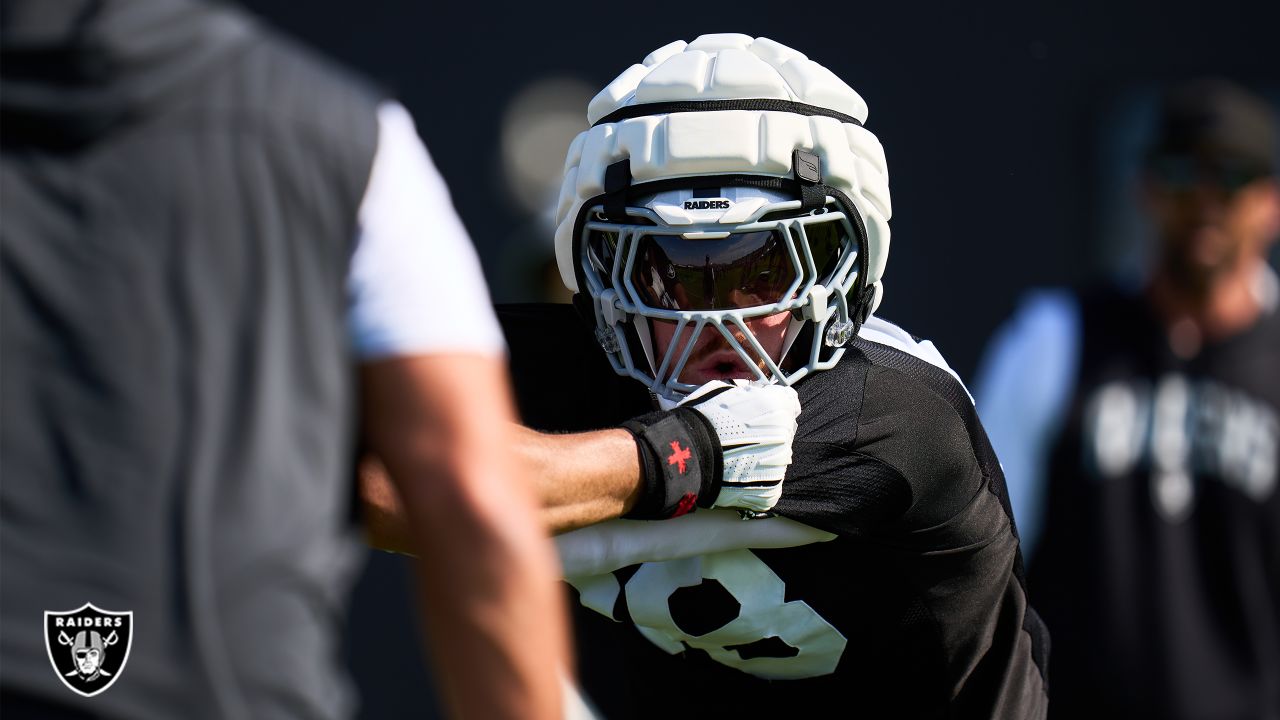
(769, 637)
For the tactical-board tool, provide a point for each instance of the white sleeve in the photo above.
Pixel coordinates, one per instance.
(613, 544)
(1025, 380)
(415, 284)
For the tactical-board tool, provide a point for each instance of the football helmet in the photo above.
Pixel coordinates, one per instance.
(724, 184)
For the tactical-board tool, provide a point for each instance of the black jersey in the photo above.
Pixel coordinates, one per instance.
(905, 600)
(1159, 567)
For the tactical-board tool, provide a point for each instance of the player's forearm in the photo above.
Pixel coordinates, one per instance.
(580, 479)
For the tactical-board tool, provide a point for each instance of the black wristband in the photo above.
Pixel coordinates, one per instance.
(681, 463)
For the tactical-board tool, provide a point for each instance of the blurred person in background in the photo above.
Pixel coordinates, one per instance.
(219, 252)
(1139, 432)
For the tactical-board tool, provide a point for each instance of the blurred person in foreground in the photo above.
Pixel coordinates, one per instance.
(726, 219)
(218, 252)
(1139, 434)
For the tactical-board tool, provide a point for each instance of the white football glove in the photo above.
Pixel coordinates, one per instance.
(756, 425)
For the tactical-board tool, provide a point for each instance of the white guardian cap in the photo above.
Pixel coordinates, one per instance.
(723, 180)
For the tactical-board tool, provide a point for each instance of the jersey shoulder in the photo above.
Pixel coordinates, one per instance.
(916, 412)
(884, 333)
(908, 369)
(885, 373)
(894, 429)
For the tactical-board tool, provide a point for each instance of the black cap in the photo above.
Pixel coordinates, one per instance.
(1217, 123)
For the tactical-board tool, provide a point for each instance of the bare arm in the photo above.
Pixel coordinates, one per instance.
(580, 479)
(583, 478)
(494, 613)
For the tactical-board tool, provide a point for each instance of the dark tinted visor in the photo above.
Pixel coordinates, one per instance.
(826, 241)
(744, 269)
(741, 270)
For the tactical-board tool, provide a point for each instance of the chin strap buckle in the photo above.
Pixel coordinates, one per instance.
(608, 340)
(611, 314)
(839, 333)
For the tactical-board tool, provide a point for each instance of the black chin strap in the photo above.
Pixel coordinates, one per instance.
(806, 169)
(863, 309)
(617, 178)
(583, 304)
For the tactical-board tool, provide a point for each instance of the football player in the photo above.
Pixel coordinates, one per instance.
(726, 217)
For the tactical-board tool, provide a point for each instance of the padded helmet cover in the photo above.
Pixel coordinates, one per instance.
(674, 144)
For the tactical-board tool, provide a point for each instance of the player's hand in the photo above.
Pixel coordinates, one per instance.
(723, 446)
(756, 425)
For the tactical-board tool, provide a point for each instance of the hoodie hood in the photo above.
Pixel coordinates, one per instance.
(74, 70)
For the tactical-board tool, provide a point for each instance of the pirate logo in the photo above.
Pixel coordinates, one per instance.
(88, 647)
